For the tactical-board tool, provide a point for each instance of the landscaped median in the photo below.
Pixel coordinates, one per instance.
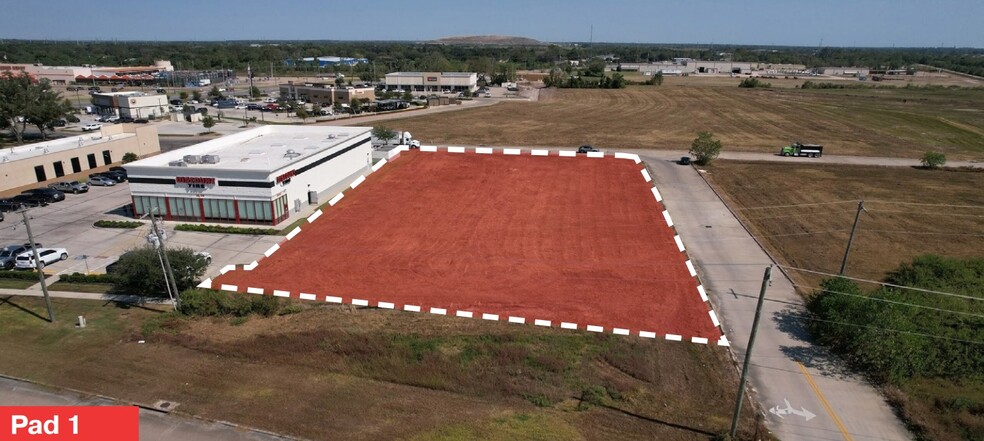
(227, 229)
(117, 224)
(18, 279)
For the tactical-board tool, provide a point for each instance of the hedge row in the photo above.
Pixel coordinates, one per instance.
(87, 278)
(225, 229)
(117, 224)
(19, 275)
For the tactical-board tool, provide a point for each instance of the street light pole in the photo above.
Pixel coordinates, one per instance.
(37, 266)
(169, 274)
(850, 239)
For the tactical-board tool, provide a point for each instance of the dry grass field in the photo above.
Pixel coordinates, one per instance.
(897, 122)
(910, 212)
(358, 374)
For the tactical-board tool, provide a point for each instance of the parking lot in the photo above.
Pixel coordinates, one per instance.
(69, 224)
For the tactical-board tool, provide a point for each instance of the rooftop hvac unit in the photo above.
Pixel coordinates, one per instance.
(177, 164)
(291, 154)
(193, 159)
(210, 159)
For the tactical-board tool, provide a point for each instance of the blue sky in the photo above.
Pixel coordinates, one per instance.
(886, 23)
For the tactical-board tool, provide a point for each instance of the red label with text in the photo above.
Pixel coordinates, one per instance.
(286, 176)
(194, 180)
(75, 423)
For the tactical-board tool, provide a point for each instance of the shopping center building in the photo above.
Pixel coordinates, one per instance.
(257, 176)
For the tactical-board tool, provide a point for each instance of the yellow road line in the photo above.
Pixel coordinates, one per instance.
(826, 405)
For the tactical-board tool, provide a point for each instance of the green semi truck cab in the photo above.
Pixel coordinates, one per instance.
(799, 149)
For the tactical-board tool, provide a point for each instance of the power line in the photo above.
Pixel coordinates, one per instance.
(921, 334)
(927, 233)
(796, 205)
(924, 213)
(799, 215)
(927, 205)
(928, 291)
(877, 299)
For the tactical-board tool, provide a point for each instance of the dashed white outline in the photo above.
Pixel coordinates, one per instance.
(647, 334)
(232, 288)
(674, 337)
(667, 218)
(273, 249)
(279, 293)
(659, 197)
(645, 175)
(567, 153)
(411, 308)
(566, 325)
(251, 266)
(333, 299)
(385, 305)
(439, 311)
(593, 328)
(379, 165)
(206, 284)
(334, 200)
(620, 331)
(723, 341)
(519, 320)
(632, 156)
(483, 150)
(306, 296)
(596, 154)
(691, 269)
(699, 340)
(464, 314)
(512, 151)
(456, 149)
(714, 318)
(493, 317)
(294, 232)
(539, 322)
(252, 290)
(703, 294)
(428, 148)
(539, 153)
(226, 269)
(679, 243)
(317, 213)
(360, 302)
(357, 181)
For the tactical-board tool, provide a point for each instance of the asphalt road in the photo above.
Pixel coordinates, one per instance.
(806, 393)
(153, 425)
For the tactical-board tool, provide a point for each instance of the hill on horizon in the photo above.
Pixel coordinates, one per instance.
(505, 40)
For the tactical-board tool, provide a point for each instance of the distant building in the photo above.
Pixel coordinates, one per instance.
(81, 74)
(131, 104)
(844, 71)
(49, 161)
(326, 94)
(432, 81)
(327, 61)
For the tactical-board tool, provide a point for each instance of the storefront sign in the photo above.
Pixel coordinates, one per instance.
(194, 180)
(286, 176)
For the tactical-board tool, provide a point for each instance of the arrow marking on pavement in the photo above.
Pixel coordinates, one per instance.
(780, 411)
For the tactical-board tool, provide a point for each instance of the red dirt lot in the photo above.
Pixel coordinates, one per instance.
(578, 240)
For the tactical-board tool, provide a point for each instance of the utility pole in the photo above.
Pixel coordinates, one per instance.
(850, 240)
(37, 266)
(169, 275)
(748, 351)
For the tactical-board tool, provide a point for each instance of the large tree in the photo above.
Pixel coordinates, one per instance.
(705, 148)
(15, 98)
(46, 107)
(139, 271)
(384, 133)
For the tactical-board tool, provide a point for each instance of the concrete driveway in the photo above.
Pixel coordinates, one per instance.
(805, 392)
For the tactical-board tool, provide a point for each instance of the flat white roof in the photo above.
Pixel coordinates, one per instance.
(444, 74)
(265, 148)
(21, 152)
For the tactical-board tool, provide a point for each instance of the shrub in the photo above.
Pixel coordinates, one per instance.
(933, 160)
(226, 229)
(207, 303)
(705, 148)
(19, 275)
(87, 278)
(139, 272)
(592, 396)
(753, 82)
(117, 224)
(129, 157)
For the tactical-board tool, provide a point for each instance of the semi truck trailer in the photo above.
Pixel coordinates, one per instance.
(799, 149)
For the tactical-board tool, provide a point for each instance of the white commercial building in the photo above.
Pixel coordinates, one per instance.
(432, 81)
(132, 104)
(252, 177)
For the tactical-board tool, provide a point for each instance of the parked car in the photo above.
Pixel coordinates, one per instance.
(109, 118)
(47, 256)
(102, 181)
(205, 256)
(117, 176)
(1, 216)
(586, 148)
(30, 200)
(684, 160)
(125, 119)
(9, 253)
(141, 121)
(9, 205)
(91, 126)
(50, 195)
(118, 169)
(73, 187)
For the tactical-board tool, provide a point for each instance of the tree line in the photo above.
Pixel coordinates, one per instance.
(491, 60)
(24, 102)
